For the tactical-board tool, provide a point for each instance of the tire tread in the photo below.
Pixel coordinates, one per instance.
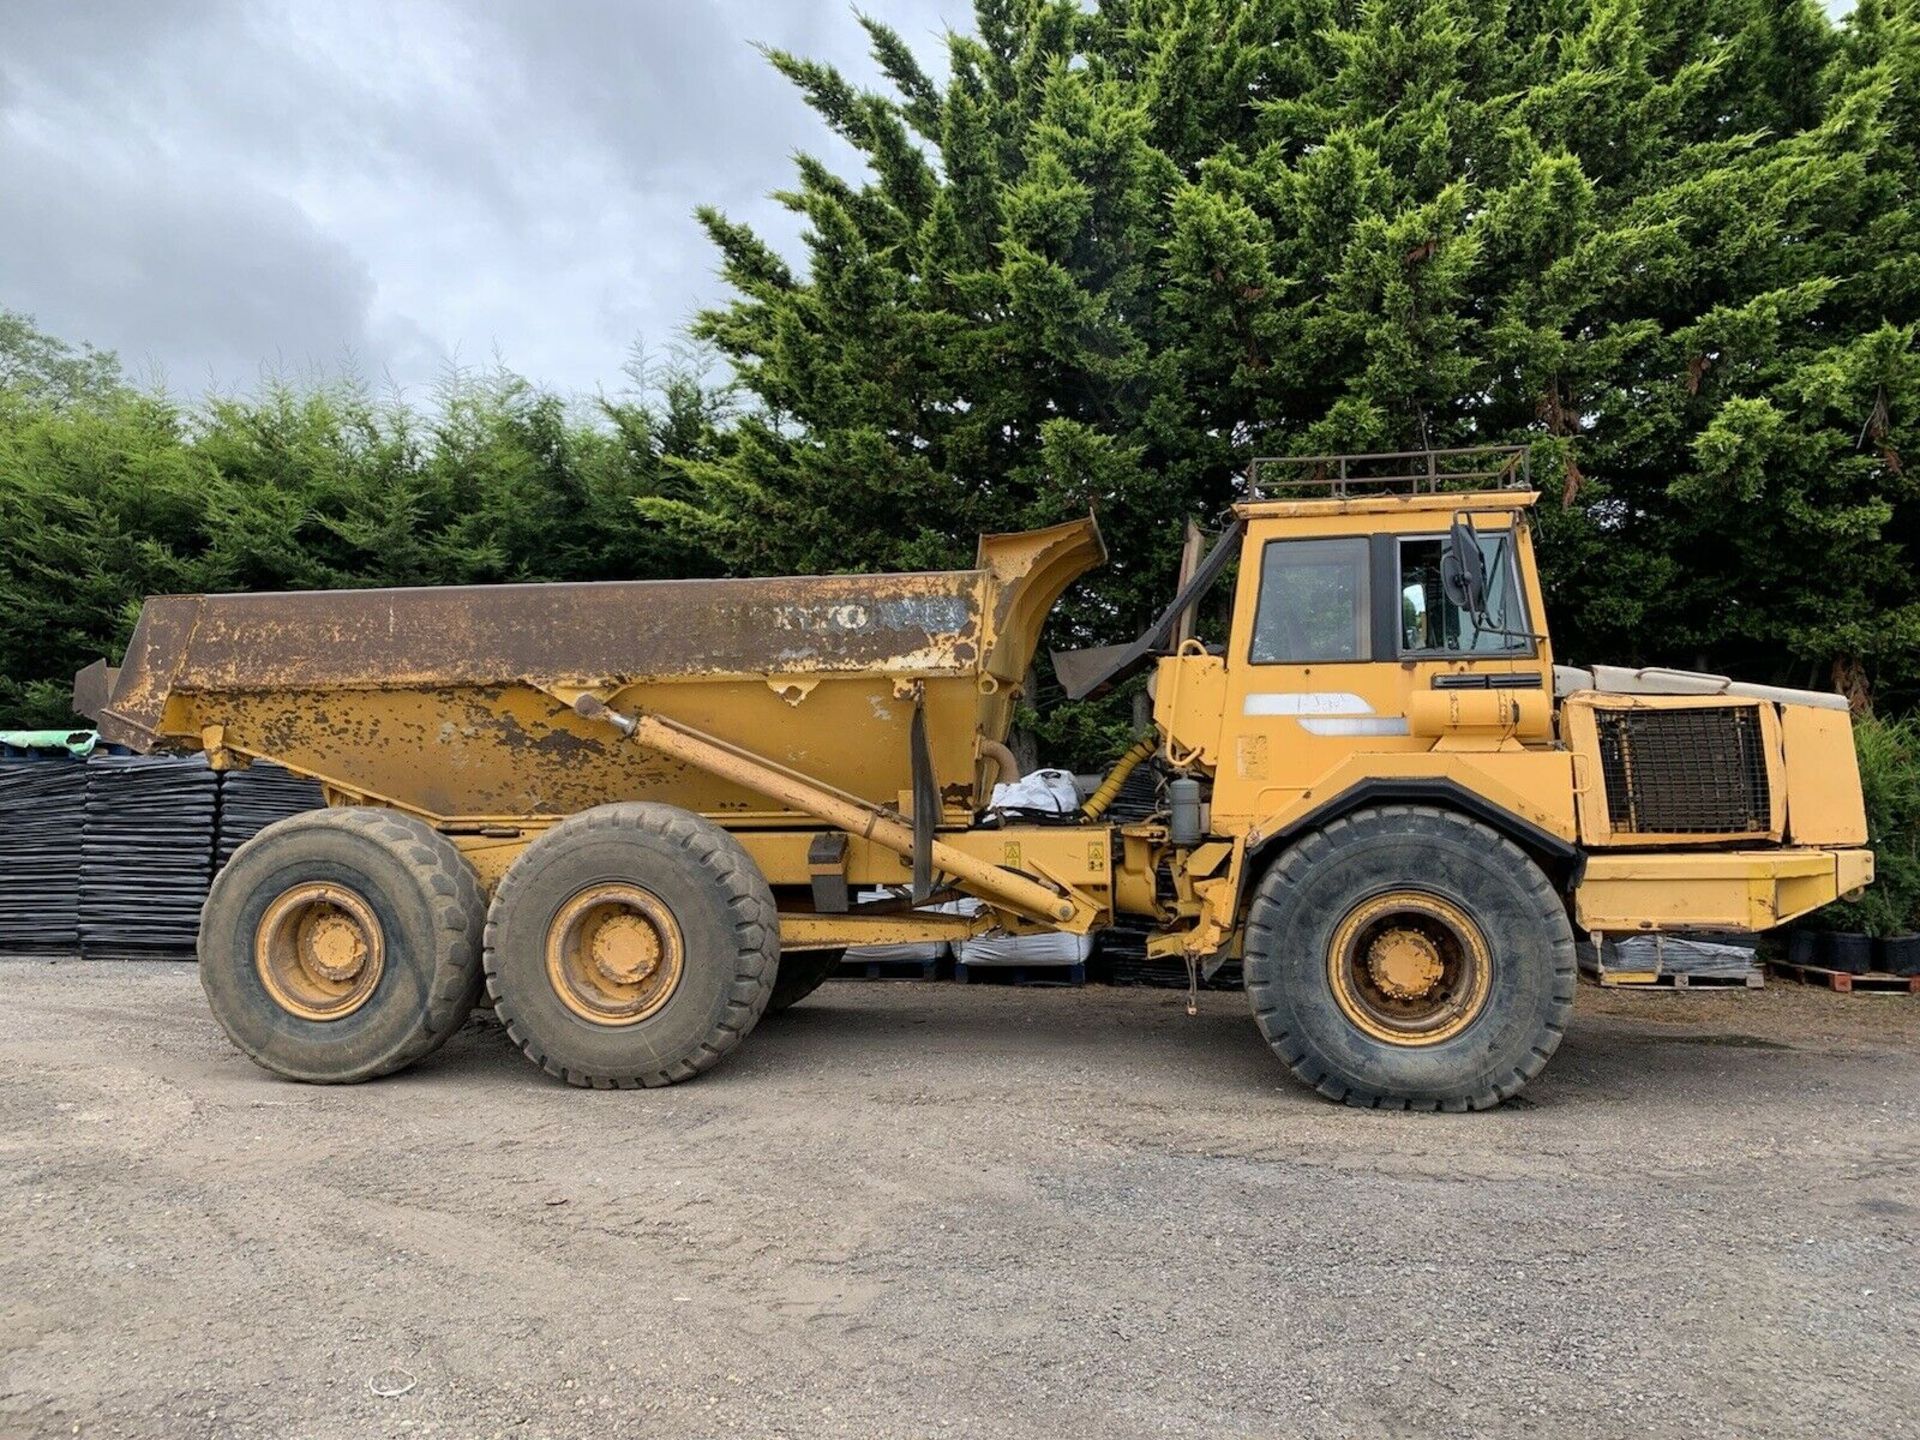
(748, 899)
(1286, 875)
(445, 881)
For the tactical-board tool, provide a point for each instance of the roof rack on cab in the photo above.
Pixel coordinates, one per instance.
(1406, 472)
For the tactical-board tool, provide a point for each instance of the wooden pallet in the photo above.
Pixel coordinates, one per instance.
(1168, 974)
(1073, 974)
(1754, 979)
(138, 954)
(1678, 980)
(1874, 982)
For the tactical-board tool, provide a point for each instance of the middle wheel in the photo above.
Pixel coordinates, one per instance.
(801, 973)
(632, 944)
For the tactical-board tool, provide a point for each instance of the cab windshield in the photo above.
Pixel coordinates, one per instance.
(1430, 623)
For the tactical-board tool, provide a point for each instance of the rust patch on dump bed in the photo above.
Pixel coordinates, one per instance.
(656, 629)
(443, 701)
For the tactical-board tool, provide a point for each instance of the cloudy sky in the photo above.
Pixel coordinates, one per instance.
(210, 186)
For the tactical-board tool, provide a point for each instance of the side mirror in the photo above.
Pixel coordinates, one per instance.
(1463, 569)
(1413, 616)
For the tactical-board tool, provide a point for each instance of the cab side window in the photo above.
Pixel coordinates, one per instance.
(1313, 605)
(1429, 622)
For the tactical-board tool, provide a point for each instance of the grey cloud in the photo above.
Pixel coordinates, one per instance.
(205, 280)
(220, 185)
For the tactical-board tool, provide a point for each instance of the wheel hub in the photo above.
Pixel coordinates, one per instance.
(615, 954)
(332, 945)
(626, 949)
(1405, 964)
(319, 951)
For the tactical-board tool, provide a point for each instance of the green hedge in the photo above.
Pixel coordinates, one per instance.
(1889, 753)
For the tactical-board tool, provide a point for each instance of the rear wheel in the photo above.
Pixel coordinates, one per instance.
(801, 973)
(632, 944)
(1408, 957)
(342, 944)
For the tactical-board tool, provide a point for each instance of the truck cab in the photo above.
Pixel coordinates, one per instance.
(1402, 813)
(1347, 661)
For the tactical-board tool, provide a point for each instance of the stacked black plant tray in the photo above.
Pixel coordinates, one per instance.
(42, 810)
(147, 854)
(112, 856)
(1701, 959)
(252, 799)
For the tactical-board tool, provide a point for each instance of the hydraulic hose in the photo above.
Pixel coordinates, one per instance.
(1098, 802)
(1006, 768)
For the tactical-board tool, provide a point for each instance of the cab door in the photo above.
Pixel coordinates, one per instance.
(1334, 635)
(1446, 653)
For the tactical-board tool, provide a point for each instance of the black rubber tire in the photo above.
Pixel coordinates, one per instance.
(717, 896)
(801, 973)
(430, 909)
(1301, 901)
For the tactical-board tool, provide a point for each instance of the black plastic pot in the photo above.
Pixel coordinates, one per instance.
(1899, 954)
(1845, 951)
(1803, 947)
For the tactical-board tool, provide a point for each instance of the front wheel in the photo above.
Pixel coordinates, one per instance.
(1409, 958)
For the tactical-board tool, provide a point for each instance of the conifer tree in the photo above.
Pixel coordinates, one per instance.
(1111, 254)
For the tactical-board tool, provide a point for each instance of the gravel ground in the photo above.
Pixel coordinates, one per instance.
(912, 1209)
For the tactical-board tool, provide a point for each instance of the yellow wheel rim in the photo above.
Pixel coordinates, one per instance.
(320, 951)
(1409, 968)
(615, 954)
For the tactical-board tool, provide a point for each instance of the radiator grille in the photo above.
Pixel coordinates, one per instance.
(1685, 772)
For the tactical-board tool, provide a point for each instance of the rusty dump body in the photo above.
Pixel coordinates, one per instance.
(455, 704)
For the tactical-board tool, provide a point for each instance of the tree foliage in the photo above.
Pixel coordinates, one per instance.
(1889, 755)
(1116, 252)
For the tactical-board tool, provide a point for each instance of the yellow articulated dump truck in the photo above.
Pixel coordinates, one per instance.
(640, 814)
